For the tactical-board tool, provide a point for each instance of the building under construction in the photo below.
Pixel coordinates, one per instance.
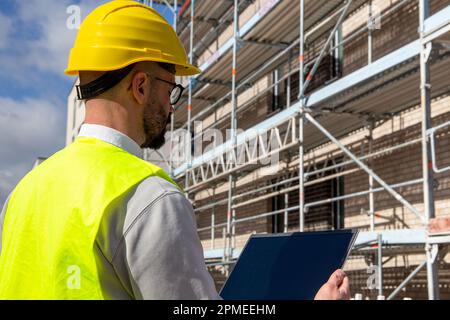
(336, 114)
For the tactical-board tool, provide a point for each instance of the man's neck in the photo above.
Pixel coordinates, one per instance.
(111, 114)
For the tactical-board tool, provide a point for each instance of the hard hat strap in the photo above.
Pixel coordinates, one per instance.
(103, 83)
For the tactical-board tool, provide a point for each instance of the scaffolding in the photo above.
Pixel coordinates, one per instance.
(264, 43)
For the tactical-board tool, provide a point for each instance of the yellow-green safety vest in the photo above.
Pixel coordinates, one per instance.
(53, 216)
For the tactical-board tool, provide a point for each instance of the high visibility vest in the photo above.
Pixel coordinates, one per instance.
(53, 216)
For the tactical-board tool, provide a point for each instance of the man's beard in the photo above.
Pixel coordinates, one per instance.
(156, 142)
(154, 127)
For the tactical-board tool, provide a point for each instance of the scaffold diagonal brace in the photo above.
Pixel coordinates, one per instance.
(363, 166)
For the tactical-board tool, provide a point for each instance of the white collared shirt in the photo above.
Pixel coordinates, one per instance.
(111, 136)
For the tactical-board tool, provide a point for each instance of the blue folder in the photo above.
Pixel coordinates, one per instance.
(287, 266)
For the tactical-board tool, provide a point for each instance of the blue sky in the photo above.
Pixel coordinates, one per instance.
(34, 45)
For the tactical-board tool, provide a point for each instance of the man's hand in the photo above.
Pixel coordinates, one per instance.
(336, 288)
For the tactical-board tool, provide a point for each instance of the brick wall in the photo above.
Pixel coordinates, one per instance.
(401, 166)
(391, 36)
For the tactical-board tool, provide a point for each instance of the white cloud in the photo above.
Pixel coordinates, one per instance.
(50, 51)
(45, 41)
(28, 129)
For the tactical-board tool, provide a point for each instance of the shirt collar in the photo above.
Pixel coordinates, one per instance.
(111, 136)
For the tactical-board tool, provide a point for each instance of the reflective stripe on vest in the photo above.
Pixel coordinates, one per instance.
(53, 217)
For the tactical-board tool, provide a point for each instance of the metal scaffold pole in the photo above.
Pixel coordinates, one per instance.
(369, 32)
(371, 195)
(189, 106)
(301, 155)
(288, 86)
(303, 85)
(231, 178)
(172, 115)
(428, 182)
(213, 220)
(175, 6)
(286, 213)
(325, 47)
(380, 264)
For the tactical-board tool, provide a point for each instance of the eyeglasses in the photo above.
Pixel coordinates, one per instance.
(175, 92)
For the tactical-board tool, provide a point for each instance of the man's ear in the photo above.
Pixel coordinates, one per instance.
(140, 87)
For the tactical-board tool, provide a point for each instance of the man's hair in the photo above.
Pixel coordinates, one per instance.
(167, 66)
(110, 79)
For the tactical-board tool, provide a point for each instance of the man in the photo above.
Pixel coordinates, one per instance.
(96, 221)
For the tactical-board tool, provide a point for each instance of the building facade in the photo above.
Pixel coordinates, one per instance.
(366, 93)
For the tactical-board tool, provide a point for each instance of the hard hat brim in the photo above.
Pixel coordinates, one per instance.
(180, 70)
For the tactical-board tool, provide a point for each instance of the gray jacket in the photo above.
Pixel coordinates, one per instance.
(148, 247)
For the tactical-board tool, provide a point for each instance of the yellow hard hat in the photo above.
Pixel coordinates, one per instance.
(120, 33)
